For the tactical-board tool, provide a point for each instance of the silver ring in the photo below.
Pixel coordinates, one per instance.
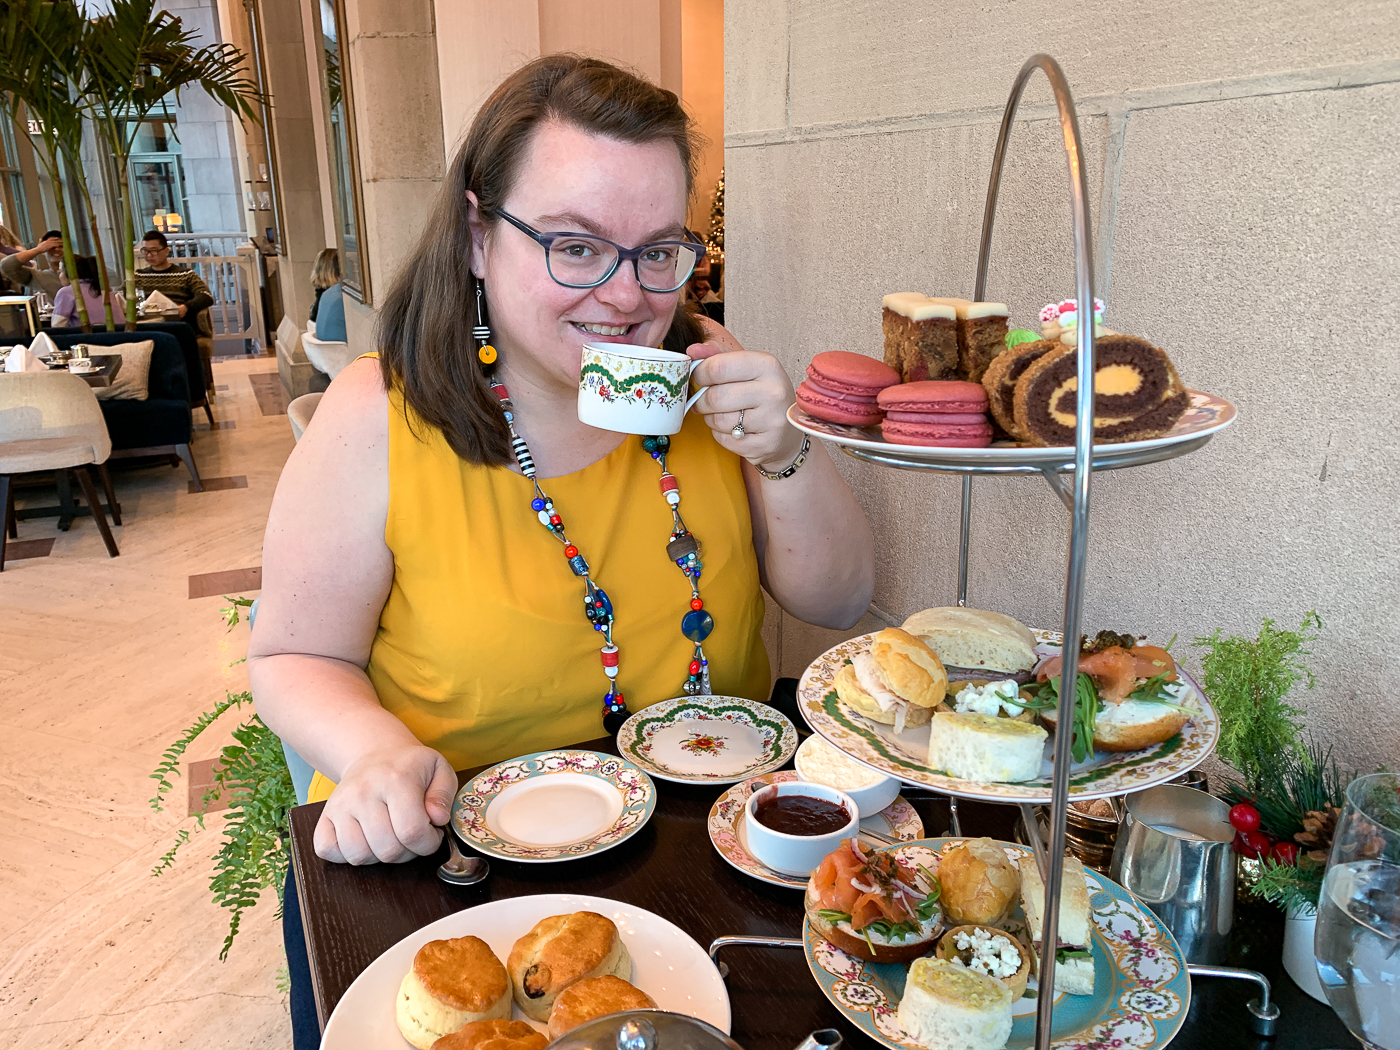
(738, 430)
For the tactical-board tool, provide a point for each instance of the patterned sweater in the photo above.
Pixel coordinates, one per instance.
(181, 285)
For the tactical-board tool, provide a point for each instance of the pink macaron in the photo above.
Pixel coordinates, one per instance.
(935, 395)
(946, 412)
(952, 435)
(842, 387)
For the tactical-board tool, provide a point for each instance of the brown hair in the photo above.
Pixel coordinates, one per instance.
(425, 344)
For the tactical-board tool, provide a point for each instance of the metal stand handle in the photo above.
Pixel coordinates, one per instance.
(1077, 499)
(752, 942)
(1263, 1014)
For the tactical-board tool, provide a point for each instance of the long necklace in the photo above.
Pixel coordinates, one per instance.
(682, 548)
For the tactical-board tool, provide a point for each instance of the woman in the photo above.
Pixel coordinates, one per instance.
(9, 241)
(325, 271)
(415, 615)
(65, 305)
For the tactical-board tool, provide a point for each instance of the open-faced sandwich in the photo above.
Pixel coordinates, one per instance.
(898, 681)
(1128, 696)
(872, 907)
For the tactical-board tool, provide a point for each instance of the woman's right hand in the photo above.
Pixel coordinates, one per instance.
(389, 806)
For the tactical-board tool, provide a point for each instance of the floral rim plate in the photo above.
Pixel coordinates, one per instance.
(901, 755)
(1142, 990)
(1206, 415)
(898, 820)
(553, 805)
(707, 739)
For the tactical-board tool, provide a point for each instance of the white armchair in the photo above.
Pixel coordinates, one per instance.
(330, 358)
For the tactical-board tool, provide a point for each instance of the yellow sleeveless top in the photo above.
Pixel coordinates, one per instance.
(483, 649)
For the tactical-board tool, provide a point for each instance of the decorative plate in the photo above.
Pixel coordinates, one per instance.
(1206, 415)
(553, 805)
(903, 755)
(707, 739)
(898, 820)
(667, 964)
(1142, 990)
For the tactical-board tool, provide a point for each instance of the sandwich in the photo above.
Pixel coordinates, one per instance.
(1129, 696)
(897, 682)
(952, 1007)
(595, 997)
(1074, 956)
(493, 1035)
(451, 984)
(976, 643)
(562, 950)
(985, 748)
(873, 907)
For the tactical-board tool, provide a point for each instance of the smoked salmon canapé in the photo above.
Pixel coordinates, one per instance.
(873, 906)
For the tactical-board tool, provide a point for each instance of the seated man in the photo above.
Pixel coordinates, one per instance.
(47, 276)
(181, 285)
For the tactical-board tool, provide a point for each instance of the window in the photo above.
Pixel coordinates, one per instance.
(14, 202)
(344, 158)
(157, 173)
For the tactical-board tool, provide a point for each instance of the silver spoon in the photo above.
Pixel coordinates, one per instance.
(461, 870)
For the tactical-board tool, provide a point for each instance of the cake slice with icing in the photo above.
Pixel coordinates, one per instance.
(1137, 393)
(981, 334)
(921, 337)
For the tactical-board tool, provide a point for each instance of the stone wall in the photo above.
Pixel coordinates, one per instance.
(1241, 161)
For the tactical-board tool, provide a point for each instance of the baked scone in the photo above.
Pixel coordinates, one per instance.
(595, 997)
(1000, 381)
(980, 884)
(1137, 393)
(493, 1035)
(451, 984)
(921, 337)
(560, 950)
(897, 682)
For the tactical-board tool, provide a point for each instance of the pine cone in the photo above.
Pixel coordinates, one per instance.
(1319, 825)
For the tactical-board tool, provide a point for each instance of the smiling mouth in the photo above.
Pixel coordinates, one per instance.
(603, 329)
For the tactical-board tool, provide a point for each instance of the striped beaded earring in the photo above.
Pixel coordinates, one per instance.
(481, 332)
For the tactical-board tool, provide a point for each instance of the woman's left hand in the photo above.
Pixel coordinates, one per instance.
(750, 382)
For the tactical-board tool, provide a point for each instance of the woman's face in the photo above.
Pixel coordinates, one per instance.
(576, 182)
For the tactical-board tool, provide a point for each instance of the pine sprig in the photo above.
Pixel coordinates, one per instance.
(1248, 680)
(1301, 784)
(1291, 886)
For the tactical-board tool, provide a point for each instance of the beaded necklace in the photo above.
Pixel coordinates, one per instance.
(682, 548)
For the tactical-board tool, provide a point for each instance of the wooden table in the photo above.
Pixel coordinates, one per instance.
(353, 914)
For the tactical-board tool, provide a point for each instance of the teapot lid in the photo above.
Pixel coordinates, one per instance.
(645, 1030)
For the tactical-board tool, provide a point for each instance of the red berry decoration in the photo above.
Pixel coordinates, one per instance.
(1286, 853)
(1244, 817)
(1256, 844)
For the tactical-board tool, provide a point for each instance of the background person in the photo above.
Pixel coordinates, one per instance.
(181, 285)
(65, 306)
(9, 241)
(37, 269)
(329, 309)
(324, 273)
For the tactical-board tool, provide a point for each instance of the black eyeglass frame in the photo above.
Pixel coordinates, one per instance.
(632, 255)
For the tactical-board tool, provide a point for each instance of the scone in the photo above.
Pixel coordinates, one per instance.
(559, 951)
(451, 984)
(594, 997)
(897, 682)
(493, 1035)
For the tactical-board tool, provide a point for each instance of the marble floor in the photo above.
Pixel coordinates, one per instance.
(103, 662)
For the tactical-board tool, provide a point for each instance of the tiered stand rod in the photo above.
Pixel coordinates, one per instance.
(1079, 505)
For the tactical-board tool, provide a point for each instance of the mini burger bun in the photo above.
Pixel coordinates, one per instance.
(975, 638)
(909, 667)
(1131, 725)
(849, 690)
(875, 949)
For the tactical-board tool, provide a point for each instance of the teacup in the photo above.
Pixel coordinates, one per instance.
(634, 389)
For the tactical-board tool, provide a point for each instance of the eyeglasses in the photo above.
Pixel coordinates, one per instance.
(154, 251)
(580, 260)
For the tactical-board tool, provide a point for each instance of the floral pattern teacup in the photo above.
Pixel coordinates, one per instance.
(634, 389)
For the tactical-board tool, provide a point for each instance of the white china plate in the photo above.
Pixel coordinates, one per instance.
(667, 964)
(728, 835)
(1206, 415)
(707, 739)
(903, 755)
(553, 805)
(1142, 990)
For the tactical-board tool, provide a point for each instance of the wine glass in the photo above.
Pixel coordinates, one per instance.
(1357, 943)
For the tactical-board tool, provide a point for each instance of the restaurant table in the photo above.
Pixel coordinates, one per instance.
(108, 365)
(353, 914)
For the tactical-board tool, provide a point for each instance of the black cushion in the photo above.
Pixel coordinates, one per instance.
(184, 336)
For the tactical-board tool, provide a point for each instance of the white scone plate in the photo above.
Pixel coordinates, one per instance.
(898, 820)
(667, 964)
(1141, 988)
(1206, 415)
(904, 755)
(553, 806)
(707, 739)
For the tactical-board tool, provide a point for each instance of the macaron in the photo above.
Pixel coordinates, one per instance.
(946, 412)
(842, 387)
